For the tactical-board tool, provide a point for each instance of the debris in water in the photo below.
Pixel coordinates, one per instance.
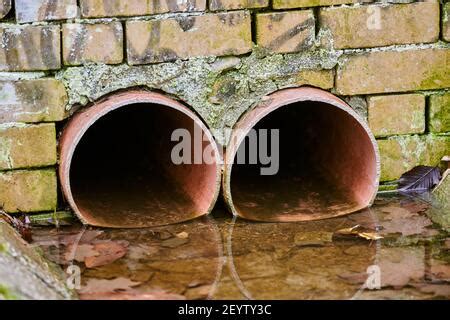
(108, 252)
(353, 231)
(419, 179)
(174, 242)
(100, 286)
(22, 226)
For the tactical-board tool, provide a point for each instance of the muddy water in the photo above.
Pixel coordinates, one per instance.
(222, 258)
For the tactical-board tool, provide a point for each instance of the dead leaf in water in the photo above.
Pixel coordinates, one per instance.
(80, 252)
(99, 286)
(406, 226)
(108, 252)
(174, 242)
(358, 232)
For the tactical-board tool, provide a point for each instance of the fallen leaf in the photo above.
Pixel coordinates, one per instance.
(405, 226)
(80, 252)
(174, 242)
(353, 231)
(61, 238)
(95, 286)
(108, 252)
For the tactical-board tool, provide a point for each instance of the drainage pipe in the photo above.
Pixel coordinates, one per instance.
(328, 162)
(116, 166)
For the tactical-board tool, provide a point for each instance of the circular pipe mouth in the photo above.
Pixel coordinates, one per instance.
(117, 168)
(324, 163)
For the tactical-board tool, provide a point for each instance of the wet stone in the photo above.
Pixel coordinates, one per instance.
(25, 273)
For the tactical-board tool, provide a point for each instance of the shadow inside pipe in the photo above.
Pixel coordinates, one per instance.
(327, 165)
(122, 174)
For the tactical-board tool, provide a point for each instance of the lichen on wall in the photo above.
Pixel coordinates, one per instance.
(220, 90)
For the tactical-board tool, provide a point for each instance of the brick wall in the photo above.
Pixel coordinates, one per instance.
(388, 59)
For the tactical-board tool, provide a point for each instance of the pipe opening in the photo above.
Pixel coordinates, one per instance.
(121, 173)
(327, 166)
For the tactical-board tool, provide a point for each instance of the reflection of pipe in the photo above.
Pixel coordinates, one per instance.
(116, 168)
(328, 160)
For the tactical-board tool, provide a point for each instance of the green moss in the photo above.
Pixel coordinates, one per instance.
(388, 187)
(193, 81)
(7, 294)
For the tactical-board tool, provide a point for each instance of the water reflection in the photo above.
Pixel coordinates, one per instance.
(182, 261)
(222, 258)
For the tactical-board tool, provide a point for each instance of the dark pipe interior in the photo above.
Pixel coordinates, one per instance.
(122, 174)
(327, 166)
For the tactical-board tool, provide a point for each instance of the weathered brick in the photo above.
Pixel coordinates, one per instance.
(25, 146)
(439, 113)
(317, 78)
(185, 37)
(446, 22)
(101, 43)
(32, 101)
(5, 6)
(28, 190)
(44, 10)
(111, 8)
(29, 48)
(289, 4)
(284, 32)
(394, 71)
(396, 114)
(215, 5)
(402, 153)
(380, 25)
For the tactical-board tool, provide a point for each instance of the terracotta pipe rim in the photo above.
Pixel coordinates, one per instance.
(80, 122)
(273, 102)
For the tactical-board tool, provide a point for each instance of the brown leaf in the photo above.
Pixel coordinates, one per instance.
(96, 286)
(80, 252)
(356, 231)
(108, 252)
(406, 226)
(174, 242)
